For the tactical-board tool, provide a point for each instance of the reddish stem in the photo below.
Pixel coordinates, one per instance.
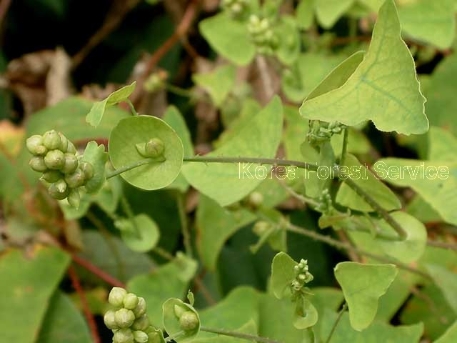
(85, 305)
(180, 31)
(97, 271)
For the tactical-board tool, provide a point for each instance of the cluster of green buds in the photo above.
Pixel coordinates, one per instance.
(262, 35)
(321, 131)
(235, 7)
(56, 158)
(128, 319)
(188, 320)
(302, 277)
(325, 202)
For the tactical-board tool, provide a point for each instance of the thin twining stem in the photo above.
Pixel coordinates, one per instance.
(239, 335)
(312, 167)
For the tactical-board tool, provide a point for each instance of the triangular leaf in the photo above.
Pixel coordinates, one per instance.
(363, 285)
(383, 88)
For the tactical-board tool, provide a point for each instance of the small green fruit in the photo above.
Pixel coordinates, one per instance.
(116, 296)
(130, 301)
(188, 321)
(124, 318)
(123, 336)
(51, 140)
(37, 164)
(87, 169)
(140, 336)
(59, 190)
(154, 147)
(179, 311)
(71, 163)
(141, 323)
(52, 176)
(77, 179)
(110, 321)
(63, 143)
(140, 308)
(71, 148)
(35, 145)
(74, 198)
(55, 159)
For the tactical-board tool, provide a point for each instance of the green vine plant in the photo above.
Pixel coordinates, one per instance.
(242, 181)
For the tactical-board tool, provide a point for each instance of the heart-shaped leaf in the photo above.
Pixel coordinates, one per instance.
(363, 285)
(282, 273)
(142, 234)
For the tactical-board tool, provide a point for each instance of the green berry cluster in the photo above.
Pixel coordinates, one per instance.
(262, 35)
(324, 131)
(235, 7)
(128, 320)
(302, 276)
(325, 202)
(56, 158)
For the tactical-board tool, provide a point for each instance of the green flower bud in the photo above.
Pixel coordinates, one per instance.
(52, 176)
(116, 296)
(141, 323)
(63, 143)
(77, 179)
(71, 163)
(55, 159)
(188, 321)
(110, 320)
(37, 164)
(255, 199)
(155, 335)
(59, 190)
(87, 169)
(130, 301)
(51, 140)
(154, 147)
(140, 308)
(123, 336)
(261, 227)
(35, 145)
(71, 148)
(140, 336)
(74, 198)
(124, 318)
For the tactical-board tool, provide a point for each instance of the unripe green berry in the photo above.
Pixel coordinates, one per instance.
(71, 163)
(87, 169)
(35, 145)
(37, 164)
(154, 147)
(52, 176)
(130, 301)
(76, 179)
(141, 323)
(55, 159)
(255, 199)
(188, 321)
(140, 336)
(110, 321)
(140, 308)
(124, 318)
(59, 190)
(71, 148)
(116, 296)
(74, 198)
(63, 143)
(154, 335)
(123, 336)
(261, 227)
(51, 140)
